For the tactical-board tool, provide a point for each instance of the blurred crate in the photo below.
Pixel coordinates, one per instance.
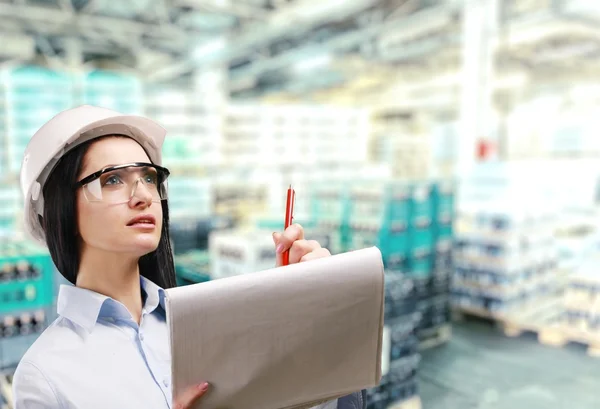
(26, 277)
(422, 205)
(444, 200)
(401, 391)
(234, 252)
(444, 230)
(376, 203)
(192, 267)
(435, 311)
(378, 398)
(406, 347)
(239, 200)
(420, 264)
(443, 257)
(393, 242)
(440, 282)
(330, 204)
(400, 295)
(403, 369)
(422, 236)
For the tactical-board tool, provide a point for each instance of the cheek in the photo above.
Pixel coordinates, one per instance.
(92, 224)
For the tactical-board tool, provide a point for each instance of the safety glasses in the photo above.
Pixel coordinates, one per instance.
(118, 184)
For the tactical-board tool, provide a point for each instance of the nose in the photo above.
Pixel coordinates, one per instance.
(140, 196)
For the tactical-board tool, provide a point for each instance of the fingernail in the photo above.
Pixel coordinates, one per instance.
(203, 386)
(280, 248)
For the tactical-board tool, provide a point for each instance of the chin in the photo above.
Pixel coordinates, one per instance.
(144, 245)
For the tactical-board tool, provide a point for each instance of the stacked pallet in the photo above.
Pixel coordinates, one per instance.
(504, 262)
(412, 225)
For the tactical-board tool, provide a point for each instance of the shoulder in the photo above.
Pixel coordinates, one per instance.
(32, 388)
(60, 336)
(32, 379)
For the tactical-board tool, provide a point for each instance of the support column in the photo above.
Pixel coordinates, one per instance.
(74, 64)
(479, 30)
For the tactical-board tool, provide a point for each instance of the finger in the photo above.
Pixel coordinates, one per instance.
(313, 255)
(300, 248)
(289, 236)
(190, 396)
(278, 256)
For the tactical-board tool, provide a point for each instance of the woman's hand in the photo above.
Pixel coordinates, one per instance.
(187, 399)
(300, 249)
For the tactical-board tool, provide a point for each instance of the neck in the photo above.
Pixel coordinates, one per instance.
(112, 275)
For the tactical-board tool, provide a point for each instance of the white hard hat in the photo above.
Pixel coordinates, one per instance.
(64, 132)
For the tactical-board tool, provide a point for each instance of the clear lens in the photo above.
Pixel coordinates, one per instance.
(120, 185)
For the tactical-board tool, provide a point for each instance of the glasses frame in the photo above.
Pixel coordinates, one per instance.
(90, 178)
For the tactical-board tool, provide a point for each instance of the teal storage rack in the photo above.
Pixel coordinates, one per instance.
(444, 198)
(26, 277)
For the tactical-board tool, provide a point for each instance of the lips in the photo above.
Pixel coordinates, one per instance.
(143, 220)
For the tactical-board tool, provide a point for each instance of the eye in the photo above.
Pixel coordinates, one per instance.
(112, 180)
(151, 178)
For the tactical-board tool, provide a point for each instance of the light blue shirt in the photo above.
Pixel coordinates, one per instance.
(94, 355)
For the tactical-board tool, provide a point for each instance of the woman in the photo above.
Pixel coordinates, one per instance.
(95, 194)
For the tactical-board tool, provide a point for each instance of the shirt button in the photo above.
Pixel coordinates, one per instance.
(141, 336)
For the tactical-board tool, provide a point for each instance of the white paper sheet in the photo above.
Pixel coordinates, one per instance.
(288, 337)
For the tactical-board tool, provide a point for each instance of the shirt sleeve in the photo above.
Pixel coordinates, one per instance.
(31, 389)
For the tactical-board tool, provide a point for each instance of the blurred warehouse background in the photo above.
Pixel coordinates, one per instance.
(459, 136)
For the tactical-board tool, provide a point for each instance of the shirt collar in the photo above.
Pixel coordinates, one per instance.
(83, 306)
(155, 295)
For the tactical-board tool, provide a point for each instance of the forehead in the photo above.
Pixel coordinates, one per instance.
(112, 151)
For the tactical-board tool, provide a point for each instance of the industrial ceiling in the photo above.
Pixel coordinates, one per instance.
(279, 46)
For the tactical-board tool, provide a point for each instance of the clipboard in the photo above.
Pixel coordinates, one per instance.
(291, 337)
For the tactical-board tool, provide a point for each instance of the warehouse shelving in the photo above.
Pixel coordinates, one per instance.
(34, 95)
(193, 128)
(117, 91)
(284, 135)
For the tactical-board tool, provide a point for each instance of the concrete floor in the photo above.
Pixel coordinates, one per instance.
(481, 368)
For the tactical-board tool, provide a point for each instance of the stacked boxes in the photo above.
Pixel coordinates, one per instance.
(329, 208)
(26, 295)
(412, 225)
(582, 295)
(400, 357)
(503, 261)
(234, 252)
(239, 200)
(582, 304)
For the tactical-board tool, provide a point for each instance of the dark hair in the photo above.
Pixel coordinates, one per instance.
(60, 224)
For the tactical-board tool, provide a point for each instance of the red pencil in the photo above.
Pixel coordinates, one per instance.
(289, 217)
